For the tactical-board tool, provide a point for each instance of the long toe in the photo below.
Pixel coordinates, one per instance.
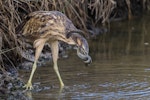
(28, 86)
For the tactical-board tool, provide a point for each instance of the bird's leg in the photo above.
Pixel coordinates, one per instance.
(55, 49)
(29, 83)
(37, 54)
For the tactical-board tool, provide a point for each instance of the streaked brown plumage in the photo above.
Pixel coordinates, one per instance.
(42, 27)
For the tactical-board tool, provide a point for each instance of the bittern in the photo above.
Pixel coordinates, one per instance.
(42, 27)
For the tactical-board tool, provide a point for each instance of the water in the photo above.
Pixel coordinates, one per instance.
(120, 68)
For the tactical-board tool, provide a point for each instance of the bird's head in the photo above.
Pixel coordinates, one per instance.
(82, 46)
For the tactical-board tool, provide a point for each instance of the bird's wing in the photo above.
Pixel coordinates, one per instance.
(46, 24)
(41, 24)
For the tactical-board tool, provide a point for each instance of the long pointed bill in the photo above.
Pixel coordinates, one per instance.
(82, 44)
(87, 59)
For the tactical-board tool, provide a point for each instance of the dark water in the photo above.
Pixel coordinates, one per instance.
(120, 68)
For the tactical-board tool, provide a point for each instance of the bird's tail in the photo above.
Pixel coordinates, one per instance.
(19, 28)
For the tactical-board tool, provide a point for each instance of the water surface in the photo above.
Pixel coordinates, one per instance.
(120, 68)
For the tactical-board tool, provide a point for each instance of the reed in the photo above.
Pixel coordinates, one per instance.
(12, 13)
(80, 12)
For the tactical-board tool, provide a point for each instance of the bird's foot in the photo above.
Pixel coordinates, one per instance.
(62, 85)
(28, 86)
